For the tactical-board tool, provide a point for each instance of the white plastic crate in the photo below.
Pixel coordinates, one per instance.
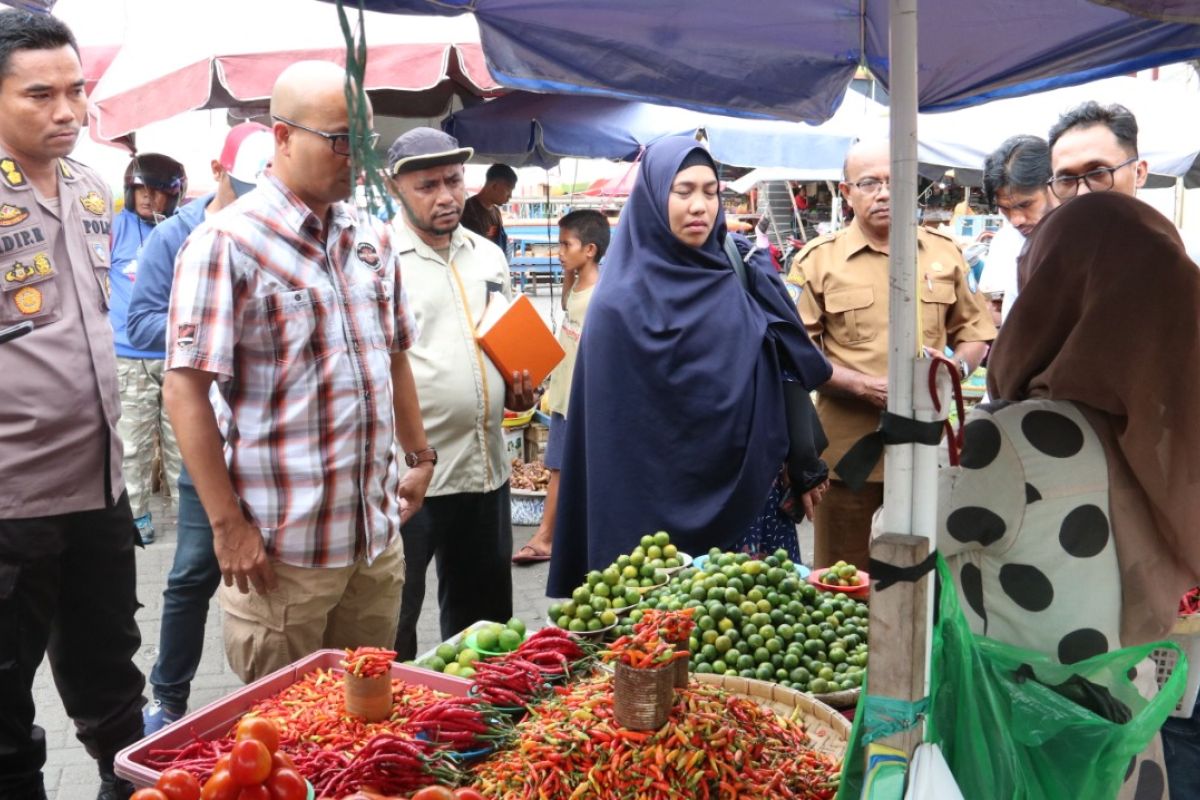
(1186, 634)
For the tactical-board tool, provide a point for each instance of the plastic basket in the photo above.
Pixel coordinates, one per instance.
(527, 507)
(215, 719)
(1186, 634)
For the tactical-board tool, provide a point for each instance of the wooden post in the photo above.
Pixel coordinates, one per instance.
(899, 619)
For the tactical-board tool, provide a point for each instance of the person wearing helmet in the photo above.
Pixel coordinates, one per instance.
(154, 186)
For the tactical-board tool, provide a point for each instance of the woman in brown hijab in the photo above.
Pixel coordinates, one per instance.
(1073, 525)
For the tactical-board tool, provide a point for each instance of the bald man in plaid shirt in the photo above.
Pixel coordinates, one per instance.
(292, 303)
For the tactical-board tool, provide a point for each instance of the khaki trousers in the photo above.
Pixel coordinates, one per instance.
(313, 608)
(842, 524)
(145, 431)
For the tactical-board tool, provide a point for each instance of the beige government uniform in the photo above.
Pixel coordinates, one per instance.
(59, 403)
(843, 301)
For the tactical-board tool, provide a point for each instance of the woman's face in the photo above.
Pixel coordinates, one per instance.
(692, 206)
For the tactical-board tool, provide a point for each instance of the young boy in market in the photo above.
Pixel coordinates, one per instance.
(582, 240)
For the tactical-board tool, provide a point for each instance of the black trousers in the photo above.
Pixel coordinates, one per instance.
(68, 588)
(470, 536)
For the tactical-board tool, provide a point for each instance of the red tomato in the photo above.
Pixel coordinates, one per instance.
(280, 760)
(178, 784)
(467, 793)
(219, 786)
(249, 762)
(258, 792)
(434, 793)
(147, 794)
(264, 730)
(287, 784)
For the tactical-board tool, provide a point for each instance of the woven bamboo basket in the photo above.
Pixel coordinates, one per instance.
(828, 730)
(642, 698)
(369, 698)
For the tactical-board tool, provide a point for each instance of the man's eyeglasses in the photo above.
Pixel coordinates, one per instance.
(1097, 180)
(338, 142)
(870, 185)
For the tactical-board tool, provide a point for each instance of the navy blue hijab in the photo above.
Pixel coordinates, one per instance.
(677, 418)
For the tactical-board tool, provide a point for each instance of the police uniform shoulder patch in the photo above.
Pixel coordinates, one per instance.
(794, 291)
(941, 235)
(93, 203)
(12, 215)
(368, 254)
(11, 173)
(28, 300)
(101, 251)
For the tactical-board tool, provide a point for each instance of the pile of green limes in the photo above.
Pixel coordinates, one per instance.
(459, 658)
(758, 619)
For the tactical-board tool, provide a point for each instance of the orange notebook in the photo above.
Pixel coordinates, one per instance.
(515, 338)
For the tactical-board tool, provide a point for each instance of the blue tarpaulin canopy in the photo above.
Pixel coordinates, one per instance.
(794, 59)
(540, 129)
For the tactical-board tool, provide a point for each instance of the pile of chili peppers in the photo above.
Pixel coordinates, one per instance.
(1190, 603)
(654, 641)
(714, 745)
(517, 679)
(323, 741)
(368, 662)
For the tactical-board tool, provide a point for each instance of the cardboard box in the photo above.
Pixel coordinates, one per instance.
(514, 443)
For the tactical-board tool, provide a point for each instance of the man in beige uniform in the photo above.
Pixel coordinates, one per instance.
(67, 569)
(843, 300)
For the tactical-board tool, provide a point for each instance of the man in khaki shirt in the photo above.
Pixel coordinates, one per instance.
(843, 300)
(67, 569)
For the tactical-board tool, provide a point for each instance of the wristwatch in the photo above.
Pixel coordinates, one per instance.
(419, 456)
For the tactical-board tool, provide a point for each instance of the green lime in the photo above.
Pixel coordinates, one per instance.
(467, 657)
(436, 664)
(487, 640)
(466, 672)
(646, 542)
(509, 640)
(608, 618)
(446, 652)
(452, 668)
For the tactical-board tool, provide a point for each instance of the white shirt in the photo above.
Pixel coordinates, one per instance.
(1000, 267)
(460, 390)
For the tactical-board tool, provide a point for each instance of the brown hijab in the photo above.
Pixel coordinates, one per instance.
(1109, 317)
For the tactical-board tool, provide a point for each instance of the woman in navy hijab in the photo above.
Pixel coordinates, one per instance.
(678, 420)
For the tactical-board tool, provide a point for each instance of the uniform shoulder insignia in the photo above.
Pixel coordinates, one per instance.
(813, 244)
(65, 169)
(11, 174)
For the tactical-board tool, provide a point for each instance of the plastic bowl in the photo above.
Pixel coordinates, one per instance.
(860, 590)
(471, 640)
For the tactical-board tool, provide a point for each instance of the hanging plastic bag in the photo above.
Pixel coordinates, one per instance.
(1016, 723)
(930, 777)
(1013, 723)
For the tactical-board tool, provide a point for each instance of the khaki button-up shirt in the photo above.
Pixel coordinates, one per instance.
(843, 301)
(461, 391)
(58, 398)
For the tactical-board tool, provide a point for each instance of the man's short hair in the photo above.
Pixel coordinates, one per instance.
(21, 30)
(1021, 163)
(1116, 117)
(501, 172)
(590, 226)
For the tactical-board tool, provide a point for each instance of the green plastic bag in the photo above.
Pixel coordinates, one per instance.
(1013, 723)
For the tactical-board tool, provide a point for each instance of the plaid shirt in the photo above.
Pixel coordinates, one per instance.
(300, 335)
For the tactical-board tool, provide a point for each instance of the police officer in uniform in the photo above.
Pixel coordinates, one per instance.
(841, 284)
(67, 571)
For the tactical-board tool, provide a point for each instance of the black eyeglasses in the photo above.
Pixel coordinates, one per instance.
(1097, 180)
(338, 142)
(870, 185)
